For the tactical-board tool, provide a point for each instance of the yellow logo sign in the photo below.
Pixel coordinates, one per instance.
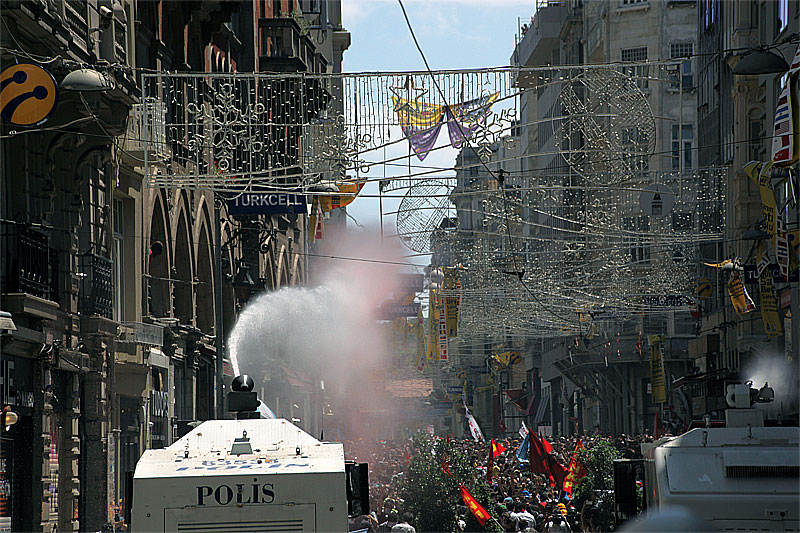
(704, 289)
(28, 94)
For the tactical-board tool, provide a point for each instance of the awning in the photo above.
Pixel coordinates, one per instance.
(6, 322)
(158, 358)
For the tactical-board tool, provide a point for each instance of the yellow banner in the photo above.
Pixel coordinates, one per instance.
(433, 326)
(451, 303)
(739, 298)
(416, 114)
(348, 190)
(658, 385)
(769, 304)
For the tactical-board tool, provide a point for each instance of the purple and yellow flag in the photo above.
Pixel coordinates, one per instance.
(421, 122)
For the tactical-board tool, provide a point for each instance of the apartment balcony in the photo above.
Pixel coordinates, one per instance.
(541, 36)
(30, 278)
(70, 24)
(283, 47)
(96, 286)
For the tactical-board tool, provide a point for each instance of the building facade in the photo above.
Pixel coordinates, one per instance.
(111, 345)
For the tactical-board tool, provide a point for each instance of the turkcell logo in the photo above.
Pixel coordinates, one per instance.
(267, 203)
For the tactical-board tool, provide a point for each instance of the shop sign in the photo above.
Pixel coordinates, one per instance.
(267, 203)
(159, 404)
(17, 381)
(392, 310)
(785, 299)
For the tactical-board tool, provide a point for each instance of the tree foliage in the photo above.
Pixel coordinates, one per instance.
(598, 485)
(433, 495)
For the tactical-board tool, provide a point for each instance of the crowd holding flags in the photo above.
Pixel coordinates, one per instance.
(537, 452)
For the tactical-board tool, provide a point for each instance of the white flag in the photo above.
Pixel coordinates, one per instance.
(474, 428)
(523, 431)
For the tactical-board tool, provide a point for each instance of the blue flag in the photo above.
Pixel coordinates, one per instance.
(522, 451)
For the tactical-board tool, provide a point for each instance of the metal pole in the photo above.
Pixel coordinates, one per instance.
(220, 342)
(380, 194)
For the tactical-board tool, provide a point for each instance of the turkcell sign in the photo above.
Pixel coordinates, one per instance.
(391, 311)
(267, 203)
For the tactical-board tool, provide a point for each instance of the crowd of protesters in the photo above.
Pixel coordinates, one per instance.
(523, 501)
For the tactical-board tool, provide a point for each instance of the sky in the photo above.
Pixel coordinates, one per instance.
(453, 34)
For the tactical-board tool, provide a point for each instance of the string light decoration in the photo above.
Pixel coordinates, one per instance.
(562, 243)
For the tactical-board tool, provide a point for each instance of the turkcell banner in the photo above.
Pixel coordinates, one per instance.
(393, 310)
(267, 203)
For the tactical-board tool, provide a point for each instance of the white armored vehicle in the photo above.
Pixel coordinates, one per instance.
(741, 477)
(250, 474)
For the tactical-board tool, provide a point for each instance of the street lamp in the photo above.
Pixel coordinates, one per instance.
(243, 282)
(86, 80)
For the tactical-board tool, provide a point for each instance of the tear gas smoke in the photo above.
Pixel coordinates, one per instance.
(327, 332)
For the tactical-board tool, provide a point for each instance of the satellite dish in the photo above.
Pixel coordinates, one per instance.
(657, 200)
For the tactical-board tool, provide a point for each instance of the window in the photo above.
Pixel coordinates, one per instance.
(677, 50)
(636, 241)
(634, 54)
(783, 15)
(709, 7)
(118, 260)
(682, 146)
(682, 221)
(639, 73)
(628, 3)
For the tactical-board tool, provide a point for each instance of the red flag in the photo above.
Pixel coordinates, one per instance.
(543, 463)
(408, 457)
(575, 471)
(501, 426)
(547, 446)
(497, 449)
(476, 508)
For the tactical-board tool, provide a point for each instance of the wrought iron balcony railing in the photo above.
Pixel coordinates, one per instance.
(31, 266)
(96, 286)
(283, 46)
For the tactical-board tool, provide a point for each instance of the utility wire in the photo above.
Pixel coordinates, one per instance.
(499, 178)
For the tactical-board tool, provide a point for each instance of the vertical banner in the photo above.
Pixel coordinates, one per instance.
(419, 328)
(739, 298)
(785, 140)
(761, 174)
(433, 326)
(451, 302)
(442, 332)
(769, 303)
(657, 381)
(787, 339)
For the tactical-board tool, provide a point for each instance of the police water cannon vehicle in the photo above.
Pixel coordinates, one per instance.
(248, 474)
(741, 477)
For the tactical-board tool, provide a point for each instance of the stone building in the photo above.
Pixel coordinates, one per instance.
(610, 394)
(110, 342)
(736, 123)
